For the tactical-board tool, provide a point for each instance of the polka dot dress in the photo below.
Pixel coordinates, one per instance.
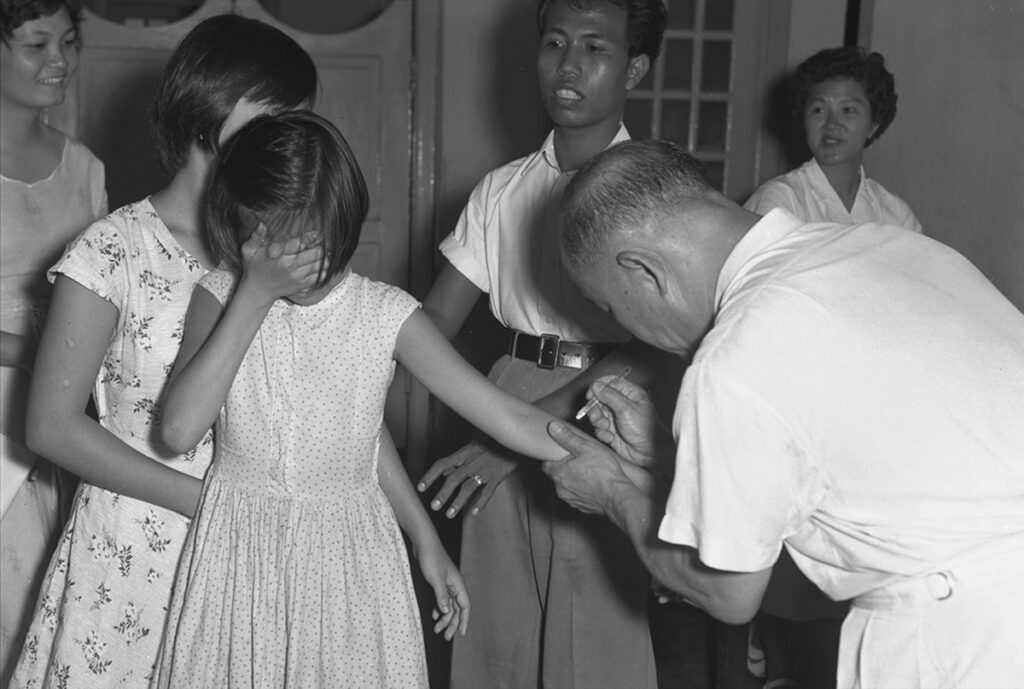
(295, 573)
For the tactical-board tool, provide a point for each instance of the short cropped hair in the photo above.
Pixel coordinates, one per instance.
(296, 173)
(645, 21)
(848, 62)
(14, 13)
(626, 186)
(223, 59)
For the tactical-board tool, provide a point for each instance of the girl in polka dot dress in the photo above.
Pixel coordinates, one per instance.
(295, 573)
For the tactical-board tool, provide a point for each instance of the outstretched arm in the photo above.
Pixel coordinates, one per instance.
(424, 351)
(448, 304)
(592, 481)
(78, 329)
(514, 423)
(452, 612)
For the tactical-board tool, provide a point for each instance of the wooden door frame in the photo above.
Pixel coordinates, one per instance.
(425, 83)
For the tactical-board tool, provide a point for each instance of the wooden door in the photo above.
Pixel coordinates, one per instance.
(365, 89)
(705, 89)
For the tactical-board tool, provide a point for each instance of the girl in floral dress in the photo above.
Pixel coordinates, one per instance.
(115, 325)
(294, 573)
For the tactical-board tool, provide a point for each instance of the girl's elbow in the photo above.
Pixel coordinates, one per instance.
(38, 436)
(174, 444)
(735, 604)
(175, 438)
(732, 612)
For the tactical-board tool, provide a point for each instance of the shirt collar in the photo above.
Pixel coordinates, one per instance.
(772, 227)
(547, 151)
(820, 184)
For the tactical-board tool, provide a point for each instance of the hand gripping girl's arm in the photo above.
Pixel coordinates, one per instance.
(522, 427)
(216, 338)
(452, 611)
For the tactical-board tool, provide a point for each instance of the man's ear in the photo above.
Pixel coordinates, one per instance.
(645, 269)
(636, 70)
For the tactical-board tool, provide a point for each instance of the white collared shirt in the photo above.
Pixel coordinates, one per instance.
(860, 397)
(806, 193)
(506, 243)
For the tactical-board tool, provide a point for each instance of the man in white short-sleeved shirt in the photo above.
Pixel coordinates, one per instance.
(855, 395)
(559, 598)
(499, 245)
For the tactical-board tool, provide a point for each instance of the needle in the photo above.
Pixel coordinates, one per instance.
(594, 401)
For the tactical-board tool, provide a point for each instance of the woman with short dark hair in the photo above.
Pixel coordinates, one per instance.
(845, 98)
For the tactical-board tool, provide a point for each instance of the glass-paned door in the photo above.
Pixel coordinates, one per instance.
(698, 92)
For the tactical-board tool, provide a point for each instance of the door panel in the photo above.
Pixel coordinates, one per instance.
(365, 91)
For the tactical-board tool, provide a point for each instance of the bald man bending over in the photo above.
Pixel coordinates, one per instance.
(856, 395)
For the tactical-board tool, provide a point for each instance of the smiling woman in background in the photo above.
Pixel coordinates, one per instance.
(846, 99)
(52, 188)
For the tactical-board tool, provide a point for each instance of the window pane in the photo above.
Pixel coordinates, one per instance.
(678, 64)
(712, 125)
(675, 121)
(715, 170)
(718, 15)
(681, 13)
(637, 117)
(716, 66)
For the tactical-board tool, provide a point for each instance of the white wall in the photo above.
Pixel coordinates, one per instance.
(956, 149)
(814, 25)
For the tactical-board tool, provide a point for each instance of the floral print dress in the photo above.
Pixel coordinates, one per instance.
(103, 604)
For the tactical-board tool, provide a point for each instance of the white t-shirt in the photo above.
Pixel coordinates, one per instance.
(860, 396)
(506, 243)
(806, 193)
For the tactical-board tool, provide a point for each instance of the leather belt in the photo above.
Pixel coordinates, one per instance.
(549, 351)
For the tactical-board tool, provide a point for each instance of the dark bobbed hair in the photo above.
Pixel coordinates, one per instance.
(848, 62)
(223, 59)
(625, 187)
(645, 21)
(296, 173)
(14, 13)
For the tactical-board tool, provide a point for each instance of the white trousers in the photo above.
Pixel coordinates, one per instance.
(948, 630)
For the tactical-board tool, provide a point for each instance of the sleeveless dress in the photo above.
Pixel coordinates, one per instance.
(36, 221)
(103, 603)
(295, 573)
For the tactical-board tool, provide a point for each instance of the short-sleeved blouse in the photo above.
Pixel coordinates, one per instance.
(38, 219)
(131, 260)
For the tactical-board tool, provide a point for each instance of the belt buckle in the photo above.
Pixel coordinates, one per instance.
(573, 355)
(547, 353)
